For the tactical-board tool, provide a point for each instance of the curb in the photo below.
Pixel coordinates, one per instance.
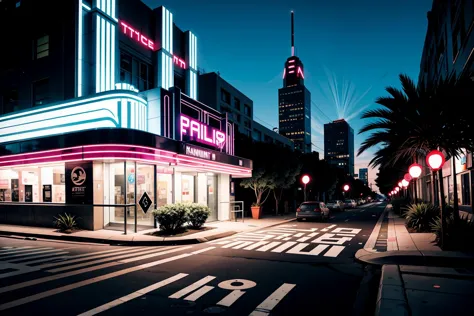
(370, 244)
(116, 242)
(391, 299)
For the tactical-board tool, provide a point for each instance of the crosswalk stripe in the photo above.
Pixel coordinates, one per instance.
(19, 269)
(3, 255)
(27, 254)
(235, 243)
(242, 245)
(133, 295)
(334, 251)
(76, 285)
(11, 249)
(80, 271)
(192, 287)
(270, 302)
(29, 259)
(269, 246)
(258, 244)
(61, 263)
(197, 294)
(108, 259)
(315, 251)
(284, 246)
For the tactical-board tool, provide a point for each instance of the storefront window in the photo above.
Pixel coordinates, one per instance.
(114, 193)
(187, 188)
(33, 184)
(164, 185)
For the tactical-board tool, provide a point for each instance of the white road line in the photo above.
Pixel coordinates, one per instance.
(258, 244)
(89, 255)
(270, 302)
(133, 295)
(202, 250)
(62, 263)
(269, 246)
(314, 252)
(334, 251)
(114, 258)
(76, 272)
(299, 235)
(284, 246)
(303, 239)
(312, 234)
(346, 235)
(235, 243)
(327, 228)
(197, 294)
(192, 287)
(10, 249)
(76, 285)
(24, 253)
(29, 260)
(231, 298)
(283, 236)
(242, 245)
(223, 242)
(20, 269)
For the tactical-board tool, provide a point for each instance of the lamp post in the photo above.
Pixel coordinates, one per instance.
(415, 172)
(346, 188)
(305, 179)
(435, 160)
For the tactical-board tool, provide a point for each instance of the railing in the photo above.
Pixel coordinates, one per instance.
(238, 207)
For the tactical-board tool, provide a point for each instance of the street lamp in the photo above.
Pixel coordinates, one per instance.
(415, 172)
(305, 179)
(400, 184)
(346, 187)
(405, 183)
(435, 160)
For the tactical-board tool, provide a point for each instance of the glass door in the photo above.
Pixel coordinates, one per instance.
(212, 197)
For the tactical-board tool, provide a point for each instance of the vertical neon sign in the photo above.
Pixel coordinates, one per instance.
(201, 132)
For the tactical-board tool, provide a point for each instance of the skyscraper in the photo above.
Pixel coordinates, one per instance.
(364, 175)
(339, 145)
(294, 101)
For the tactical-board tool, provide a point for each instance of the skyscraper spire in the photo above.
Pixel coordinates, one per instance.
(292, 33)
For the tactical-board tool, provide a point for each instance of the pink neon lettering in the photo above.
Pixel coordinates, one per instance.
(284, 73)
(291, 71)
(202, 132)
(179, 62)
(300, 72)
(291, 66)
(291, 61)
(127, 30)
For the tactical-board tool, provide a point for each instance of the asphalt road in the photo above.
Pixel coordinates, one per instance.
(300, 268)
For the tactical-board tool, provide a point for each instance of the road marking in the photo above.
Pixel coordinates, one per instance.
(242, 245)
(257, 244)
(20, 269)
(25, 253)
(270, 302)
(197, 294)
(76, 285)
(284, 246)
(334, 251)
(202, 250)
(327, 228)
(236, 290)
(11, 249)
(235, 243)
(298, 235)
(192, 287)
(91, 263)
(76, 272)
(231, 298)
(296, 250)
(133, 295)
(27, 260)
(269, 246)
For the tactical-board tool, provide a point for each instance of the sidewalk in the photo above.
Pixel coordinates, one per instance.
(220, 229)
(398, 246)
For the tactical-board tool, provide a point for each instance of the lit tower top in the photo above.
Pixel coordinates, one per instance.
(293, 73)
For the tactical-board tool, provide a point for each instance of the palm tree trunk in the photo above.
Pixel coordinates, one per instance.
(455, 189)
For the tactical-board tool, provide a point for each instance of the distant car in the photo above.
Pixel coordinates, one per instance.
(336, 205)
(312, 210)
(350, 204)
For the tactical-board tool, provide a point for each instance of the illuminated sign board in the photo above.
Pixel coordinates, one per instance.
(139, 37)
(179, 62)
(199, 153)
(201, 132)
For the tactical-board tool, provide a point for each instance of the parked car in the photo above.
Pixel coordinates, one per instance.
(350, 203)
(312, 210)
(336, 205)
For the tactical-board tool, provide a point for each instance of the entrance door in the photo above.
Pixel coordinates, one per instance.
(212, 197)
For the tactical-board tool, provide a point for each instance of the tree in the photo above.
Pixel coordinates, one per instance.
(284, 178)
(261, 182)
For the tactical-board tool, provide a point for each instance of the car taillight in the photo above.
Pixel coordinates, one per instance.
(298, 209)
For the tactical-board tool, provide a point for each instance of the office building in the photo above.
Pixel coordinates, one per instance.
(101, 115)
(364, 175)
(294, 101)
(448, 52)
(219, 94)
(339, 145)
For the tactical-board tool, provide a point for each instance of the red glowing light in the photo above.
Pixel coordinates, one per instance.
(435, 160)
(179, 62)
(300, 72)
(305, 179)
(415, 170)
(132, 33)
(407, 177)
(346, 187)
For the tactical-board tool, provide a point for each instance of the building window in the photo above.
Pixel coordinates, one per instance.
(225, 96)
(41, 92)
(237, 104)
(247, 110)
(136, 72)
(42, 47)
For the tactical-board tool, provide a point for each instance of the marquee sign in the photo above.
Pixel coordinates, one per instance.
(199, 153)
(201, 132)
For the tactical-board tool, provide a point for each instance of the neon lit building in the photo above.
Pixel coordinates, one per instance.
(294, 101)
(103, 114)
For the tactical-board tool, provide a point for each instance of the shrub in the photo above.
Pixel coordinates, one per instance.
(421, 216)
(171, 217)
(458, 235)
(66, 222)
(197, 214)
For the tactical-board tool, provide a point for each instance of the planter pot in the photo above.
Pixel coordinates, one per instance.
(256, 212)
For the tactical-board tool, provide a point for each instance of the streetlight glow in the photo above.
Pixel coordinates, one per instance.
(397, 189)
(305, 179)
(407, 177)
(415, 170)
(405, 183)
(346, 187)
(400, 184)
(435, 160)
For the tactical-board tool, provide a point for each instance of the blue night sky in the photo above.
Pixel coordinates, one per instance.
(348, 48)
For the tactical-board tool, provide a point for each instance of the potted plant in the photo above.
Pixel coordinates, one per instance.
(262, 184)
(256, 210)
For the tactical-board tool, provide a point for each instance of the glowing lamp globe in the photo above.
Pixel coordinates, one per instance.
(415, 170)
(397, 189)
(400, 184)
(305, 179)
(346, 187)
(405, 183)
(435, 160)
(407, 177)
(389, 194)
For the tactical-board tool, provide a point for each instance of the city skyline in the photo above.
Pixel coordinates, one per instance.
(336, 45)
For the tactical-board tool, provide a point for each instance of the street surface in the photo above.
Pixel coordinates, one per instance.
(299, 268)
